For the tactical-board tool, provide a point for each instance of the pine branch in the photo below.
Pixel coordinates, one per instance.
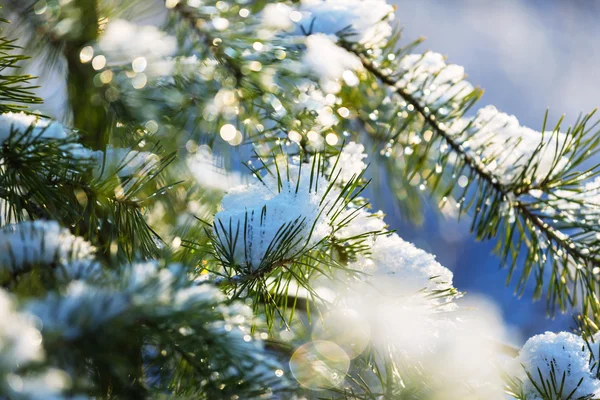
(89, 114)
(517, 197)
(430, 119)
(15, 90)
(208, 40)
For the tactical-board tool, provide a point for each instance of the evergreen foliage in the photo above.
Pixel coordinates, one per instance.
(193, 224)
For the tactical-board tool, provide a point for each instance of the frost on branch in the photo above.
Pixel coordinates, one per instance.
(273, 220)
(45, 243)
(83, 308)
(190, 323)
(558, 366)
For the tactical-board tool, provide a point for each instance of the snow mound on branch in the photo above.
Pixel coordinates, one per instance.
(350, 163)
(20, 345)
(21, 341)
(30, 128)
(267, 220)
(584, 201)
(368, 20)
(124, 41)
(41, 242)
(21, 122)
(277, 17)
(565, 353)
(359, 222)
(490, 133)
(433, 82)
(331, 63)
(411, 267)
(209, 172)
(362, 21)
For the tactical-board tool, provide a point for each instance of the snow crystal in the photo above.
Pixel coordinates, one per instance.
(490, 133)
(330, 63)
(258, 214)
(44, 242)
(350, 163)
(123, 41)
(428, 78)
(568, 355)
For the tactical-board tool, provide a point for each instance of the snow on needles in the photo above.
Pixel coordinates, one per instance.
(21, 122)
(46, 243)
(260, 220)
(568, 356)
(362, 21)
(324, 22)
(28, 128)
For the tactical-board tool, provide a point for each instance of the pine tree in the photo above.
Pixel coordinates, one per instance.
(193, 224)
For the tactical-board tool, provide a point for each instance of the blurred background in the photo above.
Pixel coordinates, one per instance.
(529, 56)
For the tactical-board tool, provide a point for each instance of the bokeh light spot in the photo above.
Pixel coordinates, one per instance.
(319, 365)
(346, 328)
